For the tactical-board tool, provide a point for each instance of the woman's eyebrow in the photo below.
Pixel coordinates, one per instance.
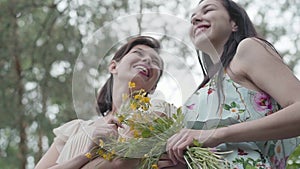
(151, 54)
(140, 48)
(205, 6)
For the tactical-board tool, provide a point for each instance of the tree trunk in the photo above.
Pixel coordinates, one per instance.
(21, 121)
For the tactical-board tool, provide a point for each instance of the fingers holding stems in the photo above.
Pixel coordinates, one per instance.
(178, 143)
(106, 127)
(176, 146)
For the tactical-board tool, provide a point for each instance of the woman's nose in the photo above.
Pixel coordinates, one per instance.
(147, 59)
(196, 19)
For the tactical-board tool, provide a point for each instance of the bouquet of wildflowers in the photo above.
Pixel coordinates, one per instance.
(149, 132)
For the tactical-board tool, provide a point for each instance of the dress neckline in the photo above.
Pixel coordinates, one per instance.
(226, 76)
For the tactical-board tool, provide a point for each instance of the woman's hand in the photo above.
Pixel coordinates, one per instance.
(178, 143)
(116, 163)
(166, 163)
(104, 128)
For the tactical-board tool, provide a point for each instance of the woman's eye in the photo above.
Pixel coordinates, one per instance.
(207, 10)
(138, 52)
(156, 63)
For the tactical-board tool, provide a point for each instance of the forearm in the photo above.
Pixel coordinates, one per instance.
(74, 163)
(117, 163)
(280, 125)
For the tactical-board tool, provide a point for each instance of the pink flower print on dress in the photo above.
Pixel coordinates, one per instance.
(191, 107)
(262, 102)
(269, 112)
(241, 152)
(210, 90)
(281, 163)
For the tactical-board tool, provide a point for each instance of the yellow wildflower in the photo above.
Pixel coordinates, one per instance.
(151, 128)
(131, 124)
(136, 134)
(133, 106)
(154, 166)
(104, 156)
(100, 152)
(131, 127)
(131, 85)
(145, 108)
(121, 118)
(122, 139)
(146, 99)
(142, 92)
(137, 97)
(88, 155)
(101, 143)
(124, 96)
(109, 157)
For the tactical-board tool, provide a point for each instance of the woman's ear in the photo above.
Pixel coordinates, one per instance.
(112, 68)
(234, 26)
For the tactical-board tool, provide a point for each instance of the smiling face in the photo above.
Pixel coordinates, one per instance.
(141, 65)
(211, 21)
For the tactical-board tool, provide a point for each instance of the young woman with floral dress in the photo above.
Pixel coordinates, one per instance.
(249, 100)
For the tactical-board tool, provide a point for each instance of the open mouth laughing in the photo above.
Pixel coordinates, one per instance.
(201, 28)
(143, 69)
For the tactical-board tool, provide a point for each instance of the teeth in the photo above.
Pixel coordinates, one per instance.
(142, 68)
(200, 29)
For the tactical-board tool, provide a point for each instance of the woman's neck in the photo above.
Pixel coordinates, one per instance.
(117, 95)
(213, 52)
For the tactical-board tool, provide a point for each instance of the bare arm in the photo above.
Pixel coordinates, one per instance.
(102, 129)
(262, 70)
(116, 163)
(80, 161)
(272, 76)
(49, 160)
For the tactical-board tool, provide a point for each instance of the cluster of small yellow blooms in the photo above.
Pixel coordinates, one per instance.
(88, 155)
(150, 132)
(101, 143)
(107, 155)
(131, 85)
(154, 166)
(139, 103)
(121, 139)
(139, 100)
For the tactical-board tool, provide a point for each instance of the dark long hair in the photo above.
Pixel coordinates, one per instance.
(245, 30)
(104, 98)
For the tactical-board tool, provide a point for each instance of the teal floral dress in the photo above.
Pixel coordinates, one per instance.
(206, 109)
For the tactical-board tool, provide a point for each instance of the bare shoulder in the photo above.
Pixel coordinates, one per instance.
(251, 57)
(246, 54)
(253, 51)
(253, 46)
